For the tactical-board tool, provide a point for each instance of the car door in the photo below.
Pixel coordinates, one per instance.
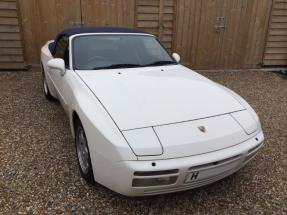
(60, 82)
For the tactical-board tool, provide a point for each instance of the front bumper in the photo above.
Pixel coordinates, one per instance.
(209, 167)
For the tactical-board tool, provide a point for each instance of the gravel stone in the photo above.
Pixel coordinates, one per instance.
(39, 172)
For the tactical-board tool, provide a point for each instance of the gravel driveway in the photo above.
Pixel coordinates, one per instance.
(39, 172)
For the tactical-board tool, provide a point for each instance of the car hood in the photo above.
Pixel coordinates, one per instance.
(154, 96)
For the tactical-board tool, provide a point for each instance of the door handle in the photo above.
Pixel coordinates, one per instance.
(219, 27)
(220, 24)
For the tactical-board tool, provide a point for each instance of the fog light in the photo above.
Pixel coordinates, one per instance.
(147, 182)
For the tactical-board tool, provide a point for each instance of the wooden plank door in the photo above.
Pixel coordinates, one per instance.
(232, 34)
(210, 34)
(42, 20)
(157, 17)
(108, 13)
(276, 47)
(221, 34)
(11, 51)
(245, 33)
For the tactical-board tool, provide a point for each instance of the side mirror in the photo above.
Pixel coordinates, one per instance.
(58, 64)
(176, 57)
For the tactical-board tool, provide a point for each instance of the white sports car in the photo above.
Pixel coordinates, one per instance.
(144, 124)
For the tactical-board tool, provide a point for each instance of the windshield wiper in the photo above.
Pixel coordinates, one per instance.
(161, 63)
(118, 66)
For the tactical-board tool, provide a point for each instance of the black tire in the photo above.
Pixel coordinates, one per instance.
(84, 159)
(46, 87)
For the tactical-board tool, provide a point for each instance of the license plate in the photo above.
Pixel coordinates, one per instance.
(211, 172)
(193, 176)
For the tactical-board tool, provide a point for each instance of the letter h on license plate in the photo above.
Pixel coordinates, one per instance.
(192, 176)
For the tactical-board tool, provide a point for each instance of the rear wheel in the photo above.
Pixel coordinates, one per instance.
(83, 153)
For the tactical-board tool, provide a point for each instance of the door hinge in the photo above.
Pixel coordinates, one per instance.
(77, 23)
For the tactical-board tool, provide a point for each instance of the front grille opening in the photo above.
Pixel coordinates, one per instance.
(152, 173)
(215, 163)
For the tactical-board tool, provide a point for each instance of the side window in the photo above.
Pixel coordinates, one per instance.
(62, 50)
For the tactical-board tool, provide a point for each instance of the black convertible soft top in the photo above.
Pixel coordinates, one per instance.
(82, 30)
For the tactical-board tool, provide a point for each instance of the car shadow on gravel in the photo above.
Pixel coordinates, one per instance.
(282, 75)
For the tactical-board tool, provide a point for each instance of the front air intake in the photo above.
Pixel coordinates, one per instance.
(152, 173)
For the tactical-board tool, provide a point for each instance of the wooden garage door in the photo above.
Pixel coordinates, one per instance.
(108, 13)
(222, 34)
(11, 53)
(156, 17)
(42, 20)
(276, 47)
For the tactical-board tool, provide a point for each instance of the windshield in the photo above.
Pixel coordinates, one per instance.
(92, 52)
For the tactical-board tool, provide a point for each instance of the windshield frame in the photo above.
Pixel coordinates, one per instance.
(72, 56)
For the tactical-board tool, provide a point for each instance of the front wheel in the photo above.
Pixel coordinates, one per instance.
(83, 153)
